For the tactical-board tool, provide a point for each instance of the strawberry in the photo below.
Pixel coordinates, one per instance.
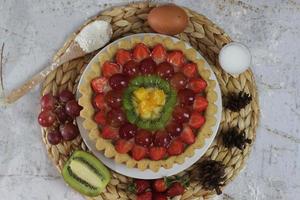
(200, 104)
(175, 189)
(123, 56)
(144, 196)
(175, 58)
(160, 185)
(196, 120)
(159, 53)
(157, 153)
(190, 70)
(139, 186)
(110, 68)
(197, 85)
(123, 146)
(139, 152)
(187, 136)
(140, 52)
(109, 133)
(159, 196)
(99, 84)
(99, 118)
(175, 148)
(99, 101)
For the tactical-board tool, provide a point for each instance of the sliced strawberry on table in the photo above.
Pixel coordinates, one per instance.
(160, 185)
(176, 147)
(157, 153)
(187, 136)
(123, 56)
(99, 118)
(176, 58)
(197, 85)
(109, 133)
(189, 70)
(139, 152)
(99, 101)
(159, 196)
(139, 186)
(196, 120)
(140, 52)
(200, 104)
(159, 53)
(123, 146)
(175, 189)
(144, 196)
(99, 84)
(110, 68)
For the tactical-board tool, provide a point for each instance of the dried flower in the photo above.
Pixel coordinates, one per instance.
(234, 138)
(236, 101)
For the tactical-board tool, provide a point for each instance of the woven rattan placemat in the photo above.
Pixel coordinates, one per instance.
(208, 39)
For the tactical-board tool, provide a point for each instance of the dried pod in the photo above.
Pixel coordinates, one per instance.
(236, 101)
(234, 138)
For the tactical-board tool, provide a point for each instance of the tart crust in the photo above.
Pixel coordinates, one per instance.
(106, 145)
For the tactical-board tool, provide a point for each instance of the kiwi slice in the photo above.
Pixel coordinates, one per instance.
(86, 174)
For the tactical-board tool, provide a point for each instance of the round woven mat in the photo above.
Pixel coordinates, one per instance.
(204, 36)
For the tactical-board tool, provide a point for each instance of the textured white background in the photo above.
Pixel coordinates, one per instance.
(34, 29)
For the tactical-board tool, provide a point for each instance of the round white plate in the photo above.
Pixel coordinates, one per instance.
(148, 174)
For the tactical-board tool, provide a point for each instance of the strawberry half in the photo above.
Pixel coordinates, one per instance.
(110, 68)
(187, 136)
(139, 152)
(140, 52)
(144, 196)
(176, 58)
(196, 120)
(197, 85)
(123, 56)
(100, 118)
(175, 189)
(190, 70)
(99, 101)
(200, 104)
(159, 196)
(123, 146)
(109, 133)
(176, 148)
(159, 53)
(160, 185)
(157, 153)
(139, 186)
(99, 84)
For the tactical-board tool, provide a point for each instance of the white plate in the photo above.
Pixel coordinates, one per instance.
(148, 174)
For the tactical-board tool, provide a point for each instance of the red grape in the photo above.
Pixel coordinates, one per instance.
(62, 115)
(127, 131)
(113, 98)
(147, 66)
(118, 81)
(143, 138)
(54, 137)
(181, 114)
(174, 129)
(48, 102)
(115, 117)
(178, 81)
(162, 139)
(164, 70)
(46, 118)
(131, 68)
(65, 96)
(69, 131)
(186, 97)
(73, 108)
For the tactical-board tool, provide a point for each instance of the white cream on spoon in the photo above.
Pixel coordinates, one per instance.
(235, 58)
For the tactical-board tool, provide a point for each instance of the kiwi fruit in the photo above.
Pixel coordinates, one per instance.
(86, 174)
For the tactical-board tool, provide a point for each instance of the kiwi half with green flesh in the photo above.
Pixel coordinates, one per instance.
(86, 174)
(166, 112)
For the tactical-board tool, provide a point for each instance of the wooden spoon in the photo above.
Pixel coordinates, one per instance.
(83, 44)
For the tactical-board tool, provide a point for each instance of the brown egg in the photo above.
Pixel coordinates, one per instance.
(168, 19)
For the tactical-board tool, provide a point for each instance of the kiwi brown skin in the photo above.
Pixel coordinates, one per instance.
(93, 164)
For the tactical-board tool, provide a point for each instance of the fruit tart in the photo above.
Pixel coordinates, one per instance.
(149, 102)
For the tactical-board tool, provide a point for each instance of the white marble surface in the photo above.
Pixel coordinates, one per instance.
(34, 29)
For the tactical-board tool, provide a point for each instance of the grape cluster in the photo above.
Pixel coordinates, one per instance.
(57, 115)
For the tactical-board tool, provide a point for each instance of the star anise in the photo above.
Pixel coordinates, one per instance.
(236, 101)
(233, 138)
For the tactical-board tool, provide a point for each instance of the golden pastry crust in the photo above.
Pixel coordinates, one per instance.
(88, 111)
